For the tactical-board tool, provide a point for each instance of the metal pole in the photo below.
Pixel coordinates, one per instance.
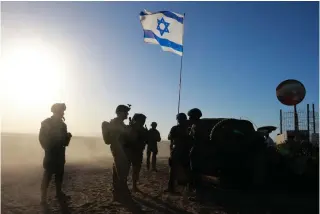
(296, 122)
(280, 121)
(180, 84)
(308, 121)
(314, 119)
(184, 15)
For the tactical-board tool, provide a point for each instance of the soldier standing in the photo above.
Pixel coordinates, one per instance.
(54, 138)
(199, 137)
(179, 147)
(135, 146)
(116, 134)
(153, 138)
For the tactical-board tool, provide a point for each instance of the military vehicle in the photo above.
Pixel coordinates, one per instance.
(227, 152)
(230, 157)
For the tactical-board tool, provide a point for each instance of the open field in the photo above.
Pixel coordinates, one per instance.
(88, 181)
(87, 178)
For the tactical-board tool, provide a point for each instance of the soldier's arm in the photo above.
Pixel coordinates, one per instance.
(159, 136)
(170, 137)
(68, 135)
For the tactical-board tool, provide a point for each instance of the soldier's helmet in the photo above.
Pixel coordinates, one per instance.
(154, 124)
(122, 108)
(139, 117)
(58, 107)
(195, 113)
(181, 117)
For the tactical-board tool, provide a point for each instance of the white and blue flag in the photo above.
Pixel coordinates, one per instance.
(163, 28)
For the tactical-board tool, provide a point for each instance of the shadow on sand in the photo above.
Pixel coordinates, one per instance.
(63, 204)
(158, 204)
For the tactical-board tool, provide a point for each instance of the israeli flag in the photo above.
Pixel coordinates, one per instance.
(163, 28)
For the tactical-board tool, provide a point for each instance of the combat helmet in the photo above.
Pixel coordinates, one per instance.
(58, 107)
(139, 117)
(122, 108)
(195, 113)
(181, 116)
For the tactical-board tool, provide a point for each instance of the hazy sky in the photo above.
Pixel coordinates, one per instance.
(236, 53)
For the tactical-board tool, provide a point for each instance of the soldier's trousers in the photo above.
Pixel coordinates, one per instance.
(153, 160)
(135, 158)
(178, 172)
(120, 171)
(172, 175)
(58, 171)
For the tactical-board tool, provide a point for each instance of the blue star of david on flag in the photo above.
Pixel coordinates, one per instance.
(156, 30)
(162, 23)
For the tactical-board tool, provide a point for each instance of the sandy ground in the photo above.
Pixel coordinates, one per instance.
(87, 180)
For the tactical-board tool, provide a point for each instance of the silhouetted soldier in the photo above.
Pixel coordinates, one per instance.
(116, 134)
(198, 136)
(54, 138)
(152, 147)
(179, 147)
(194, 116)
(135, 146)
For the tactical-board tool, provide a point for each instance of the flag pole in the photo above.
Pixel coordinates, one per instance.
(184, 15)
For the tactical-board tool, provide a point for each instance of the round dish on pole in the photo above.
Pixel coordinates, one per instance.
(291, 92)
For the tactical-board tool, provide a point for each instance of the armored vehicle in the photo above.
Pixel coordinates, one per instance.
(227, 151)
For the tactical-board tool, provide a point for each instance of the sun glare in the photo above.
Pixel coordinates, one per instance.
(32, 76)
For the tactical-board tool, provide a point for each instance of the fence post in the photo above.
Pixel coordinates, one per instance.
(296, 120)
(280, 121)
(308, 121)
(314, 119)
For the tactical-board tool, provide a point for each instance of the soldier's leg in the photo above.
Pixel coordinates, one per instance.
(154, 161)
(148, 158)
(45, 184)
(121, 170)
(59, 180)
(172, 176)
(114, 177)
(136, 168)
(116, 186)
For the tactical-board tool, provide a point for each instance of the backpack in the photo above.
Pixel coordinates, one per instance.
(105, 132)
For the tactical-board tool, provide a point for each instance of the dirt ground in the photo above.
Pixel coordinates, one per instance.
(88, 180)
(89, 186)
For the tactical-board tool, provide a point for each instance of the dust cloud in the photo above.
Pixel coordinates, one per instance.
(22, 152)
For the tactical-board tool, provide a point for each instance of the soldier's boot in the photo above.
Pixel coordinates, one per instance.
(44, 186)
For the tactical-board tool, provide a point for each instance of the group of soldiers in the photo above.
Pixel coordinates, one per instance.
(127, 144)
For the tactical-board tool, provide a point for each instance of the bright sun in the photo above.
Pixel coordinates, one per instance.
(32, 75)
